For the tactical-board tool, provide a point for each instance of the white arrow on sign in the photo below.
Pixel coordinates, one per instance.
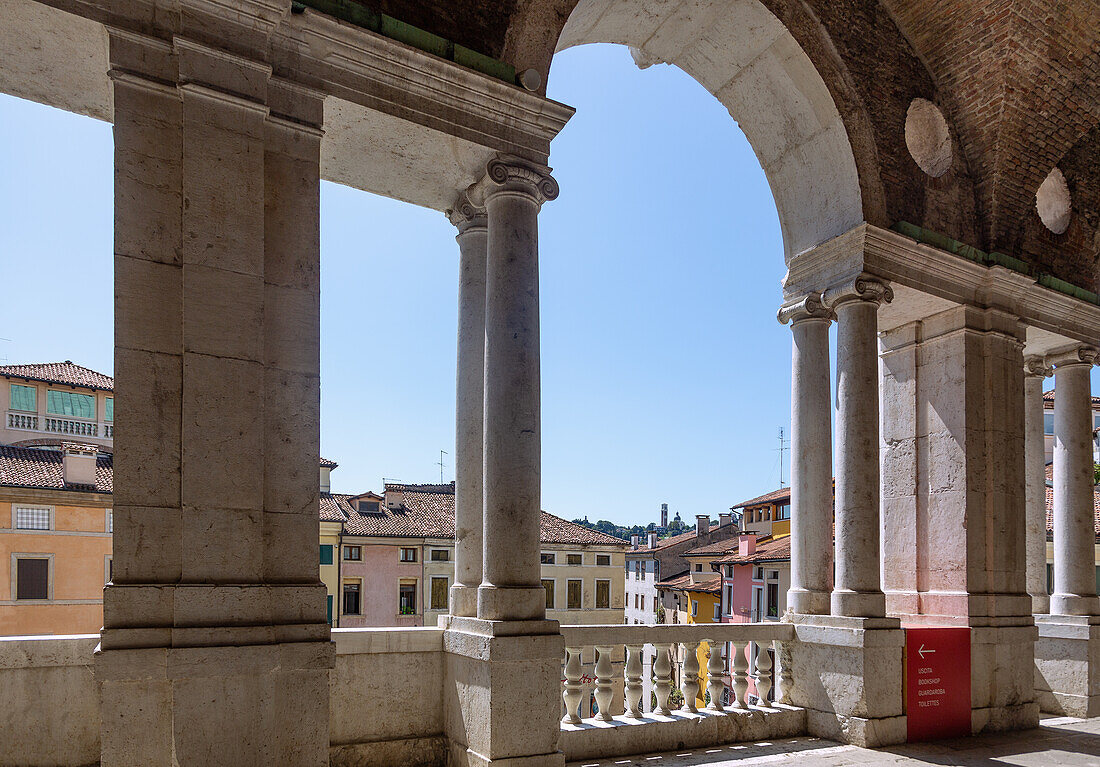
(922, 651)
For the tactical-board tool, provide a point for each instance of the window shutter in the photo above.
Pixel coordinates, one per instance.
(33, 578)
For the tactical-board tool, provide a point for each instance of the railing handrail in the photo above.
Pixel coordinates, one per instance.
(669, 633)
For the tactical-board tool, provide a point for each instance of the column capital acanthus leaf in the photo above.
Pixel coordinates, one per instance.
(1077, 355)
(805, 307)
(506, 173)
(862, 288)
(1036, 367)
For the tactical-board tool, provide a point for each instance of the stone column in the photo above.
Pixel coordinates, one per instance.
(858, 590)
(215, 646)
(1035, 370)
(470, 406)
(1074, 524)
(811, 457)
(510, 588)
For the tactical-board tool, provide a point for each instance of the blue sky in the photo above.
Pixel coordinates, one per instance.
(665, 374)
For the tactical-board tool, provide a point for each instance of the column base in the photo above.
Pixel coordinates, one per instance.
(501, 692)
(807, 602)
(1074, 604)
(463, 600)
(847, 674)
(507, 603)
(1002, 684)
(1067, 665)
(858, 604)
(250, 706)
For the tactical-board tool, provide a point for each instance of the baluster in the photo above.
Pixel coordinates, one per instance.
(633, 674)
(605, 682)
(740, 675)
(763, 674)
(573, 690)
(689, 681)
(662, 678)
(715, 671)
(784, 680)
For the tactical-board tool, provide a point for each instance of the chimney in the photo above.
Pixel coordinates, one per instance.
(725, 519)
(702, 524)
(326, 482)
(664, 515)
(395, 498)
(746, 545)
(634, 542)
(78, 463)
(653, 540)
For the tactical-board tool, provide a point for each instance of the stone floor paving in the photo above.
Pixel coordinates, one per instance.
(1056, 743)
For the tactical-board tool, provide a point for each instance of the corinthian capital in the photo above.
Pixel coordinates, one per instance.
(1036, 367)
(807, 307)
(513, 175)
(862, 288)
(1078, 355)
(467, 214)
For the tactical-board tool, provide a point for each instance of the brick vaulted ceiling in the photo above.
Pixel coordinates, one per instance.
(1017, 80)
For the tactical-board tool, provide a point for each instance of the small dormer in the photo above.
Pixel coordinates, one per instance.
(368, 503)
(326, 473)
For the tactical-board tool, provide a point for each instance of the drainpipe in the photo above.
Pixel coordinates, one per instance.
(337, 602)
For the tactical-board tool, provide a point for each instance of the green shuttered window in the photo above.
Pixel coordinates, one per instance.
(109, 409)
(24, 398)
(70, 403)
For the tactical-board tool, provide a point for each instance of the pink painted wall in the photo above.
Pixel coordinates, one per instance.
(742, 593)
(381, 571)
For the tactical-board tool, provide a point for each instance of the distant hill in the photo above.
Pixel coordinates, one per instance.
(619, 531)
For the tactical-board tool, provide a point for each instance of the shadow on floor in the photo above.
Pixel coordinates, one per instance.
(1074, 743)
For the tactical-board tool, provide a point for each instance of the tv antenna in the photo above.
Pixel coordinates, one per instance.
(441, 454)
(783, 447)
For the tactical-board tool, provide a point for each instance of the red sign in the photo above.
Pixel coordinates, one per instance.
(937, 682)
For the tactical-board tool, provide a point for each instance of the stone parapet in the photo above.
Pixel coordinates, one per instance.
(1067, 664)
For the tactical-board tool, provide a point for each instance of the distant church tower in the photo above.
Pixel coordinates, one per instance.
(664, 515)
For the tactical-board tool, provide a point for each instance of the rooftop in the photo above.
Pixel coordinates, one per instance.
(707, 583)
(1048, 397)
(67, 373)
(767, 550)
(41, 469)
(783, 494)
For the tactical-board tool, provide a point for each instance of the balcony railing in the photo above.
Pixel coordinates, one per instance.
(72, 426)
(22, 421)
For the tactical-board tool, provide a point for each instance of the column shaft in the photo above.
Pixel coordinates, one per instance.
(811, 459)
(1036, 489)
(858, 590)
(1074, 523)
(470, 407)
(511, 589)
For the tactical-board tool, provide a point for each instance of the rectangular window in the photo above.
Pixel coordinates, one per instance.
(636, 602)
(717, 612)
(351, 599)
(32, 518)
(326, 554)
(439, 593)
(784, 512)
(603, 594)
(573, 595)
(32, 578)
(408, 555)
(406, 597)
(546, 559)
(643, 601)
(369, 506)
(441, 555)
(109, 409)
(694, 608)
(1048, 422)
(758, 573)
(773, 600)
(24, 398)
(109, 524)
(70, 403)
(573, 559)
(108, 569)
(353, 553)
(548, 585)
(698, 568)
(603, 560)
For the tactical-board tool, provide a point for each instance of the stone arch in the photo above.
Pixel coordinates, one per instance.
(749, 60)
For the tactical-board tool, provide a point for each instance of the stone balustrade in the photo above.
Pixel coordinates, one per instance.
(619, 731)
(72, 426)
(23, 421)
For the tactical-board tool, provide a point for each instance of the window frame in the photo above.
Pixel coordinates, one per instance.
(569, 560)
(15, 507)
(108, 568)
(580, 594)
(446, 592)
(16, 556)
(402, 550)
(605, 583)
(410, 589)
(551, 595)
(356, 587)
(445, 558)
(11, 397)
(603, 560)
(349, 549)
(331, 554)
(547, 558)
(92, 397)
(109, 521)
(694, 608)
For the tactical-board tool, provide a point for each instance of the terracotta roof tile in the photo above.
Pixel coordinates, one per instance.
(773, 550)
(1095, 508)
(1048, 396)
(782, 494)
(65, 373)
(41, 468)
(335, 507)
(327, 463)
(718, 547)
(428, 511)
(709, 583)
